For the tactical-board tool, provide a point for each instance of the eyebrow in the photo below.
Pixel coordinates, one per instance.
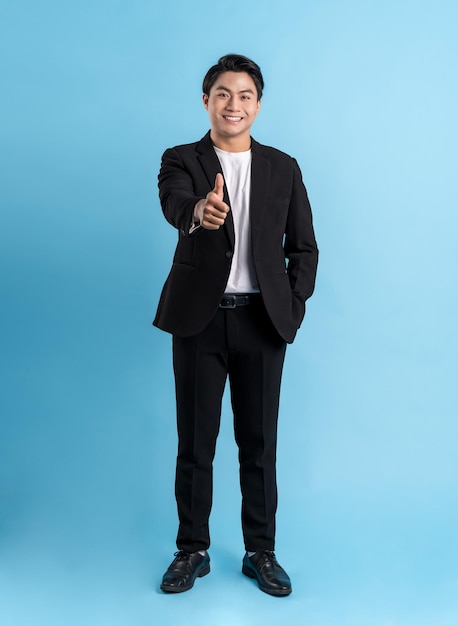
(241, 91)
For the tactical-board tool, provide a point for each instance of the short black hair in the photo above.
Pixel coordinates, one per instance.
(234, 63)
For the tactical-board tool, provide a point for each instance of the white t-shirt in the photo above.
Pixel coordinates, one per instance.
(236, 168)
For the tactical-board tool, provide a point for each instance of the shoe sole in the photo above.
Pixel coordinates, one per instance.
(272, 592)
(202, 572)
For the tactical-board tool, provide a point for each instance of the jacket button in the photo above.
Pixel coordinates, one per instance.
(229, 254)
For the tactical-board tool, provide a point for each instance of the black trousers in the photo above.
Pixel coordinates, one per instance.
(241, 344)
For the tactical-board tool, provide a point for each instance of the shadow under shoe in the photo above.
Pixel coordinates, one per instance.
(183, 571)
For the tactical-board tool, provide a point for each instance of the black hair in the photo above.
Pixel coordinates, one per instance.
(234, 63)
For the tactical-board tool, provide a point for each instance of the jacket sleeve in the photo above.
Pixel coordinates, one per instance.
(300, 245)
(176, 191)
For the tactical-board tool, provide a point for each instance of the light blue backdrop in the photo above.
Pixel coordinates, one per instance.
(364, 94)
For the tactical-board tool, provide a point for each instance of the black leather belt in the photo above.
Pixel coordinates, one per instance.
(230, 301)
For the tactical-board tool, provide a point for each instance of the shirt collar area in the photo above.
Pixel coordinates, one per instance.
(235, 155)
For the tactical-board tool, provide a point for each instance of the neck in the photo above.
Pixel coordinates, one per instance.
(231, 144)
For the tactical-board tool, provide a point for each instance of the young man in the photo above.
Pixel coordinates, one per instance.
(244, 265)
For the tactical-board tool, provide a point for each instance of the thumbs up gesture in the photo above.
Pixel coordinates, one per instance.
(211, 212)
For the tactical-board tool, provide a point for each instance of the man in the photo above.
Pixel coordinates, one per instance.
(244, 265)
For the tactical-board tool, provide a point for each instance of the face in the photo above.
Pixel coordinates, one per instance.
(232, 106)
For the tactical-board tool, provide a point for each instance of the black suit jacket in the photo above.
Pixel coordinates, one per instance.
(284, 248)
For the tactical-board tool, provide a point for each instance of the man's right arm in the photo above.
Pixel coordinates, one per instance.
(181, 207)
(176, 191)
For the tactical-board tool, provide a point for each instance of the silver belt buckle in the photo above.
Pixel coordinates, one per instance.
(228, 302)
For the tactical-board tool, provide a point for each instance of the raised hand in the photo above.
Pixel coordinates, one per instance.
(211, 212)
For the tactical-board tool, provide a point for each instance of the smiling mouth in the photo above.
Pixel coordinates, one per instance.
(232, 118)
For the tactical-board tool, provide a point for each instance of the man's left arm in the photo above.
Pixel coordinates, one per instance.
(300, 245)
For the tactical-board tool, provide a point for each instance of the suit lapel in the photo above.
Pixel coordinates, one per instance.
(260, 181)
(211, 166)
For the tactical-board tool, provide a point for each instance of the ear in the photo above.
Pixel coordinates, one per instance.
(258, 107)
(205, 100)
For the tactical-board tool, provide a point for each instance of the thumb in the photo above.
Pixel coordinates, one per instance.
(219, 184)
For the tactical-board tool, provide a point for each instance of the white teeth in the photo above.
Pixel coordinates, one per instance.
(232, 119)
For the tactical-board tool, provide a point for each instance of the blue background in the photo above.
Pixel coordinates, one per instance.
(364, 95)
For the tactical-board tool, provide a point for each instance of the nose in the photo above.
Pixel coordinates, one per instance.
(232, 105)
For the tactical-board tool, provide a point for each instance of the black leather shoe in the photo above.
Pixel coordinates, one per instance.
(270, 575)
(183, 571)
